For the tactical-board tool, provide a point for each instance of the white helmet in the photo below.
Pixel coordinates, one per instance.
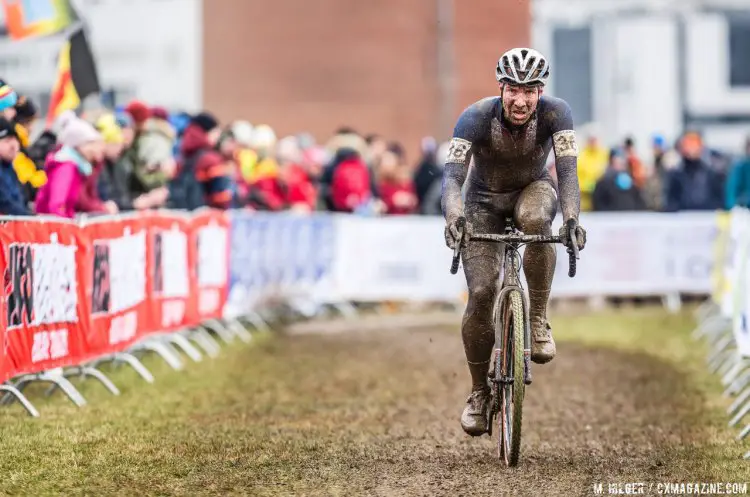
(522, 66)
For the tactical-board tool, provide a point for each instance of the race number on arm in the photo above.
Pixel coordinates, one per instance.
(468, 131)
(566, 156)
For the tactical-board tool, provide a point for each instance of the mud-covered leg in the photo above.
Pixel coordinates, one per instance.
(534, 212)
(481, 264)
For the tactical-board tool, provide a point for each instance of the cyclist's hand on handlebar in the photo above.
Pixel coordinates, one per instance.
(452, 232)
(580, 235)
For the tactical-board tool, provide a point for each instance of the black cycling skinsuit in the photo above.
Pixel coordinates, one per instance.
(508, 178)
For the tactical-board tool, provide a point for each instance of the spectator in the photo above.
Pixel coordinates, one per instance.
(427, 175)
(31, 177)
(263, 143)
(139, 112)
(654, 186)
(635, 165)
(233, 144)
(616, 190)
(376, 147)
(394, 183)
(346, 182)
(592, 162)
(430, 205)
(738, 182)
(8, 99)
(154, 163)
(693, 185)
(114, 180)
(12, 201)
(299, 192)
(203, 177)
(69, 169)
(127, 128)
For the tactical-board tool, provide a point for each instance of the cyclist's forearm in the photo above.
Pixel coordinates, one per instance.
(567, 182)
(454, 176)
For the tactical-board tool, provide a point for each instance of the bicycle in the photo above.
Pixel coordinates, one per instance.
(512, 349)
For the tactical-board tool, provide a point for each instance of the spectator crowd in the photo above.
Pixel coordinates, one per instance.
(143, 157)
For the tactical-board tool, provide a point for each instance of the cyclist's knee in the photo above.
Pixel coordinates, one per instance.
(534, 217)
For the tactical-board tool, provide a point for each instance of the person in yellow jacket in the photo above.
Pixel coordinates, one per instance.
(29, 176)
(262, 143)
(592, 163)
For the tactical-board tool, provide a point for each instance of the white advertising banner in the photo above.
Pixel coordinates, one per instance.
(640, 254)
(741, 281)
(394, 258)
(626, 254)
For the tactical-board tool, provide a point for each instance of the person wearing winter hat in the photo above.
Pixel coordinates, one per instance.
(154, 162)
(204, 177)
(71, 184)
(8, 100)
(12, 201)
(127, 127)
(139, 111)
(31, 177)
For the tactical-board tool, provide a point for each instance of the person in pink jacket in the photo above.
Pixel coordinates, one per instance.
(69, 168)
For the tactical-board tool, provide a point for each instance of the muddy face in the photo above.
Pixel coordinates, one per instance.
(519, 103)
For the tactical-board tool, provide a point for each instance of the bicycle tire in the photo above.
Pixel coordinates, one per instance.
(511, 323)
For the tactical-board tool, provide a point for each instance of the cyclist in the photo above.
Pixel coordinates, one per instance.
(509, 137)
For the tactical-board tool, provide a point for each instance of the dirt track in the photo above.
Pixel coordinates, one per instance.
(377, 414)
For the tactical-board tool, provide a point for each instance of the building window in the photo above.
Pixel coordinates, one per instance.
(739, 48)
(572, 72)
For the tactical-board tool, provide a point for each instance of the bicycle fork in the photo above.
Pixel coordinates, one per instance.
(527, 377)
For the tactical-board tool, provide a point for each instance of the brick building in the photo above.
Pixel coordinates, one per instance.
(404, 68)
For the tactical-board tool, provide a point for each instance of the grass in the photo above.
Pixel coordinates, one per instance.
(344, 415)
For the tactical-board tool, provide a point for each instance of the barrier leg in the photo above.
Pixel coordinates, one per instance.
(739, 383)
(720, 360)
(240, 331)
(739, 401)
(347, 310)
(184, 344)
(218, 328)
(163, 350)
(745, 432)
(205, 341)
(728, 365)
(57, 379)
(704, 310)
(711, 325)
(257, 322)
(672, 302)
(733, 373)
(14, 392)
(85, 371)
(741, 414)
(135, 363)
(721, 346)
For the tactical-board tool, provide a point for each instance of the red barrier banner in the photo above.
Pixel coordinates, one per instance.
(5, 370)
(42, 305)
(169, 271)
(114, 256)
(209, 265)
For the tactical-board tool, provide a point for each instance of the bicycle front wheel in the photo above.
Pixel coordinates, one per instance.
(509, 375)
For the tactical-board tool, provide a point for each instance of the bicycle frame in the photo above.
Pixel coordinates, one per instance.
(511, 281)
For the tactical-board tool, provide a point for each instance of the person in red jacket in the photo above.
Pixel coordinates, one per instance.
(394, 182)
(204, 177)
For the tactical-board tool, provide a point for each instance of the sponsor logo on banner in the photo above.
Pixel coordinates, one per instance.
(209, 262)
(41, 325)
(118, 282)
(171, 275)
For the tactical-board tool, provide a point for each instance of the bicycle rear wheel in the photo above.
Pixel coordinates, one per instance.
(509, 375)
